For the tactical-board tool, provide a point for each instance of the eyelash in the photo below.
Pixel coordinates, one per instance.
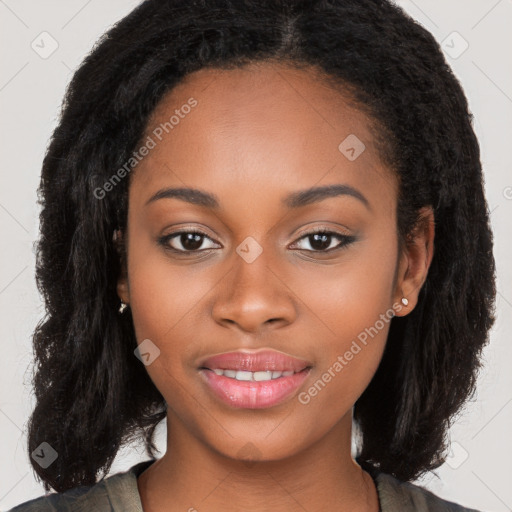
(345, 240)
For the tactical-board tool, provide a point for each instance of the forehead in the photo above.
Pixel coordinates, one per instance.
(259, 128)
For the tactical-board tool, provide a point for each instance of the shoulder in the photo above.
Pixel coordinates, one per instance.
(94, 497)
(117, 492)
(405, 496)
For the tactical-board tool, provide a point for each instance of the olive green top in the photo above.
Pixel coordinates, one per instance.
(119, 493)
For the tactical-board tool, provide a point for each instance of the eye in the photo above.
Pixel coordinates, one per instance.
(321, 240)
(189, 241)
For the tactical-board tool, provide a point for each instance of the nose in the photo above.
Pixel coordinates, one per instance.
(254, 296)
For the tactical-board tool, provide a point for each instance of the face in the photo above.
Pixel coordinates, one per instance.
(252, 263)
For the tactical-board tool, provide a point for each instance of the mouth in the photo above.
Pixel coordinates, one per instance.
(254, 380)
(260, 376)
(254, 362)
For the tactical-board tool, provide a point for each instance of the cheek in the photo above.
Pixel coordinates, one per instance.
(166, 300)
(352, 311)
(349, 296)
(350, 353)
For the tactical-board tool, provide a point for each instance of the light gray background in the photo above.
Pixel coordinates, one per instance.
(478, 472)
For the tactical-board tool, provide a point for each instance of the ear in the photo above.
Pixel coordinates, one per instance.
(415, 261)
(123, 290)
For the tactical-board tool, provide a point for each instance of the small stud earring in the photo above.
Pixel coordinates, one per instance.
(122, 307)
(405, 302)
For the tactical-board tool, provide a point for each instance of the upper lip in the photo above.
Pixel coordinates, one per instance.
(263, 360)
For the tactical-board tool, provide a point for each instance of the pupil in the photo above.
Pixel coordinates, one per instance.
(191, 241)
(323, 245)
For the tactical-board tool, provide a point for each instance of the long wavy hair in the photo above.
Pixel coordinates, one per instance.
(92, 394)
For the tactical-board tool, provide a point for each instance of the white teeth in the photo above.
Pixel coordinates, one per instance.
(260, 376)
(241, 375)
(253, 376)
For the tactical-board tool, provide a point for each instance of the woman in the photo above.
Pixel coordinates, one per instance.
(265, 223)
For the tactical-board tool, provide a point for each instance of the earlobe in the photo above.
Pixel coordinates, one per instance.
(122, 290)
(416, 261)
(122, 282)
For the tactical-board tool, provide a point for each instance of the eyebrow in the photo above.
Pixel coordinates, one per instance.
(293, 200)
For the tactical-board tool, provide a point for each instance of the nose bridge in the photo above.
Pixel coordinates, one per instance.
(251, 272)
(253, 293)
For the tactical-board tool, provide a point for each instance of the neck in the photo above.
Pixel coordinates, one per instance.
(192, 476)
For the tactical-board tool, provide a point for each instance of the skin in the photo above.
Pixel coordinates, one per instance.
(256, 135)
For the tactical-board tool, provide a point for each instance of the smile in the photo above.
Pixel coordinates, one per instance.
(254, 376)
(254, 380)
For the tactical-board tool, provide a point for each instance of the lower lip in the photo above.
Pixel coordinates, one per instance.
(253, 394)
